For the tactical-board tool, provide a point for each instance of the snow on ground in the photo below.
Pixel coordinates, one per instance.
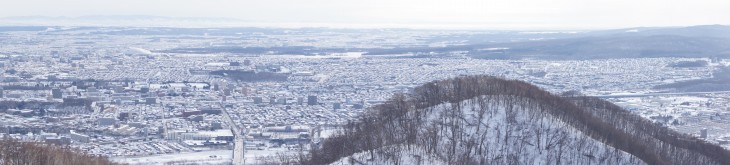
(262, 156)
(203, 157)
(207, 157)
(414, 155)
(496, 130)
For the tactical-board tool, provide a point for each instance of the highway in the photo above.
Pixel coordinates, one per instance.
(239, 148)
(238, 151)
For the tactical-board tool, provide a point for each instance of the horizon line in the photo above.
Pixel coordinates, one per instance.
(227, 22)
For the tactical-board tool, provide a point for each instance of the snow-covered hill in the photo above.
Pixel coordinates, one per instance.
(493, 129)
(488, 120)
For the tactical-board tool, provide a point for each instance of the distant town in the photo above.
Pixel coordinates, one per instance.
(157, 95)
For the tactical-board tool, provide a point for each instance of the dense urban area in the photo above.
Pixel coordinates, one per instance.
(158, 95)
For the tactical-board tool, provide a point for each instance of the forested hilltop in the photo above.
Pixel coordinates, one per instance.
(31, 153)
(488, 120)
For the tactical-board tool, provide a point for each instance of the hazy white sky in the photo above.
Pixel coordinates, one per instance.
(561, 14)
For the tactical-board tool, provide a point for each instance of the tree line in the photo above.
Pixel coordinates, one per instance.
(400, 121)
(30, 153)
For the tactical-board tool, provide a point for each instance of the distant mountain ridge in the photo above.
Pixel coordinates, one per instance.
(705, 41)
(619, 46)
(717, 31)
(119, 20)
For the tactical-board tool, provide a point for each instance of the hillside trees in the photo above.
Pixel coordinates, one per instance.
(30, 153)
(487, 120)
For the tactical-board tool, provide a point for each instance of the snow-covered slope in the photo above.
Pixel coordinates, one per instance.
(488, 120)
(493, 130)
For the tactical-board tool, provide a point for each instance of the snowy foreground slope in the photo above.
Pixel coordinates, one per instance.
(485, 131)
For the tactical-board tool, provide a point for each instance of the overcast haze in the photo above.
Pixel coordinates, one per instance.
(552, 14)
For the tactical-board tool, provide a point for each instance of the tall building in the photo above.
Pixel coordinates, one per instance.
(123, 116)
(144, 89)
(93, 89)
(56, 92)
(150, 100)
(357, 106)
(312, 100)
(245, 91)
(106, 121)
(118, 89)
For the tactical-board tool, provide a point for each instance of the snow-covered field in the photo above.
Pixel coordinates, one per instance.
(206, 157)
(203, 157)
